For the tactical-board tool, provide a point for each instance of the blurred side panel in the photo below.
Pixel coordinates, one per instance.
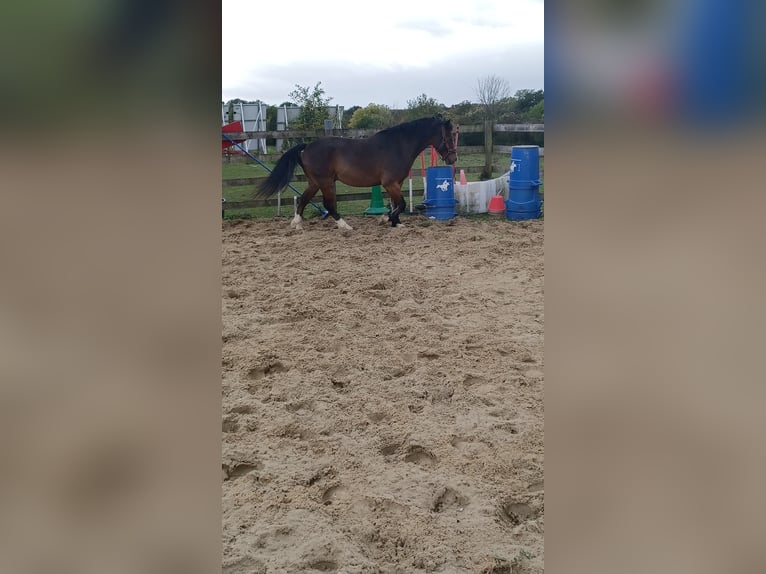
(654, 313)
(110, 291)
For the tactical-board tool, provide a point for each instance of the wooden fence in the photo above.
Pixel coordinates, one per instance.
(488, 129)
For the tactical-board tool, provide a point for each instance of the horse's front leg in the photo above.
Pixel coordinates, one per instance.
(401, 206)
(398, 205)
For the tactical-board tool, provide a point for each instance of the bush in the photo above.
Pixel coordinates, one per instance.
(374, 116)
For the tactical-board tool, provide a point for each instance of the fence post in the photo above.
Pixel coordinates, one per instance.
(487, 172)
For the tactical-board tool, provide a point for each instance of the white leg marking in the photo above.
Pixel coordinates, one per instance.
(297, 222)
(383, 219)
(343, 225)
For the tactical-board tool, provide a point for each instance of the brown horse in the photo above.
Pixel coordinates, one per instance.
(384, 158)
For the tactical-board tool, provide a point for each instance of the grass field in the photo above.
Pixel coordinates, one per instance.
(249, 168)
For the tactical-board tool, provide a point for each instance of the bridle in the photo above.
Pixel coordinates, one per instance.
(446, 146)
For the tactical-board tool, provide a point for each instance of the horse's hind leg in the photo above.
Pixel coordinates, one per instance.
(331, 205)
(303, 201)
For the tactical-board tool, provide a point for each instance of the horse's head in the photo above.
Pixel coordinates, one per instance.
(446, 146)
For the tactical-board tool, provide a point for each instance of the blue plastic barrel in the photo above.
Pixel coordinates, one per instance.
(440, 193)
(524, 183)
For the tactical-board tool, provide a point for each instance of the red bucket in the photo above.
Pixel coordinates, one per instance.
(496, 205)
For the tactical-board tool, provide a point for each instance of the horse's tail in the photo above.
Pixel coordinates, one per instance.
(283, 171)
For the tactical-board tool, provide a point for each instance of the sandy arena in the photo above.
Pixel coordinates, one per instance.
(383, 397)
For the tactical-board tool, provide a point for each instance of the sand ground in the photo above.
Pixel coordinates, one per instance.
(383, 397)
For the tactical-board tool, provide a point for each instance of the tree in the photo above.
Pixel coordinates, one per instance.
(490, 91)
(313, 106)
(466, 113)
(423, 106)
(527, 99)
(348, 113)
(507, 111)
(374, 116)
(536, 114)
(399, 116)
(462, 113)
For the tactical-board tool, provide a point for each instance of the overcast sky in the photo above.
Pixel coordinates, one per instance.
(384, 52)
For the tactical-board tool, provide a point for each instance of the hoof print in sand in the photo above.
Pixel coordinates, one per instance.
(506, 426)
(333, 494)
(229, 424)
(237, 469)
(515, 513)
(447, 499)
(322, 566)
(300, 407)
(242, 410)
(390, 448)
(498, 566)
(416, 454)
(339, 384)
(471, 379)
(536, 486)
(261, 371)
(377, 416)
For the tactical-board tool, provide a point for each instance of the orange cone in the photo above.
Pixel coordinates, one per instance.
(463, 181)
(496, 205)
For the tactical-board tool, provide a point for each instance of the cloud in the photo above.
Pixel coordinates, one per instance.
(436, 28)
(449, 82)
(409, 49)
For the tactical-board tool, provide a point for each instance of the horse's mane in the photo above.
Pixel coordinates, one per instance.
(412, 127)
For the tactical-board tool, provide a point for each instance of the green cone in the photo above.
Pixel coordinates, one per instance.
(376, 202)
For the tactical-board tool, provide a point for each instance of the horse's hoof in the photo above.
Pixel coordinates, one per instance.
(342, 225)
(383, 219)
